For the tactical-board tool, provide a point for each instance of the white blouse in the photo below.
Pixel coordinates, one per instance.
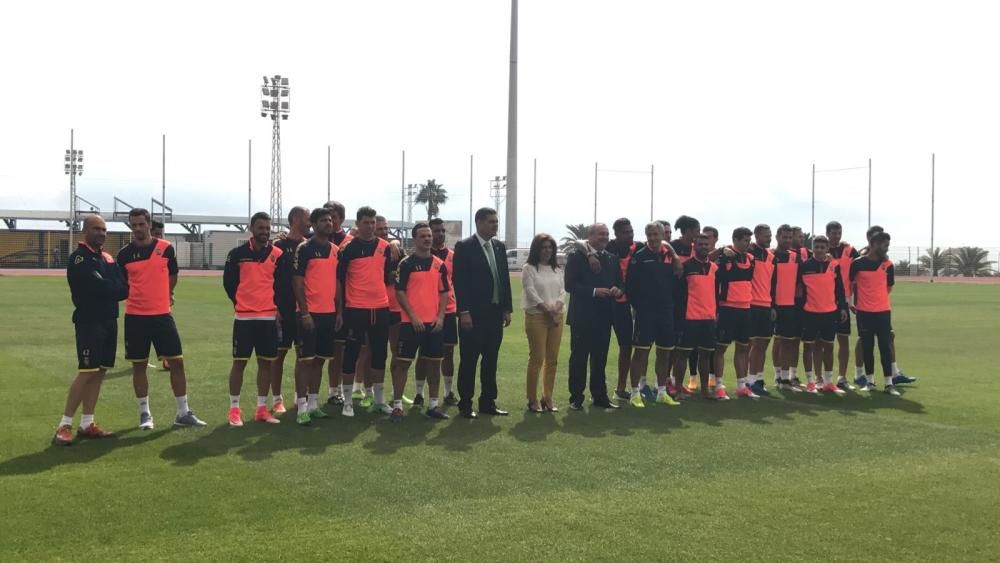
(541, 285)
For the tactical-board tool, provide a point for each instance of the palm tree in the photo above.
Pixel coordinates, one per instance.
(902, 268)
(940, 259)
(575, 234)
(433, 195)
(970, 261)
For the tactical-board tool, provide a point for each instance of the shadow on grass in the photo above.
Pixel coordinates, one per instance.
(460, 434)
(535, 427)
(82, 451)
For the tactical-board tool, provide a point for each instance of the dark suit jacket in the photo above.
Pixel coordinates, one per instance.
(581, 281)
(472, 278)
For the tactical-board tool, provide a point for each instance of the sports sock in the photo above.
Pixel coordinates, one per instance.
(369, 391)
(333, 391)
(420, 387)
(887, 380)
(397, 405)
(302, 404)
(791, 372)
(143, 404)
(751, 378)
(635, 392)
(447, 384)
(261, 400)
(182, 405)
(346, 390)
(810, 378)
(85, 420)
(433, 403)
(859, 371)
(741, 382)
(827, 377)
(357, 384)
(379, 391)
(895, 369)
(661, 391)
(234, 401)
(642, 381)
(841, 379)
(277, 398)
(312, 401)
(67, 421)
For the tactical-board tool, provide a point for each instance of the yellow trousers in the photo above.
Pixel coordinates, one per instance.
(544, 338)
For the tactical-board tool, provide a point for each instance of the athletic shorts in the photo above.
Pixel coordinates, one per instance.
(622, 323)
(654, 328)
(698, 335)
(788, 322)
(874, 322)
(158, 330)
(819, 326)
(370, 324)
(734, 324)
(395, 317)
(250, 336)
(761, 325)
(318, 342)
(288, 330)
(430, 344)
(96, 344)
(844, 327)
(450, 330)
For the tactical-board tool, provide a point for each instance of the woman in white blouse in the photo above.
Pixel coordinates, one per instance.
(543, 299)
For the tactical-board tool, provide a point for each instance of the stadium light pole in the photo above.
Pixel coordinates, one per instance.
(275, 105)
(472, 227)
(534, 197)
(411, 190)
(163, 182)
(402, 189)
(510, 218)
(498, 188)
(595, 192)
(812, 228)
(249, 182)
(650, 192)
(328, 172)
(932, 216)
(72, 166)
(869, 192)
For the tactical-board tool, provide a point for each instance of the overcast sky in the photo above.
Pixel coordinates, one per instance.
(731, 101)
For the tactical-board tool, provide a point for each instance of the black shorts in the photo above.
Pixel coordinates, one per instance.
(734, 324)
(96, 345)
(450, 330)
(318, 342)
(341, 335)
(844, 327)
(622, 323)
(819, 326)
(158, 330)
(430, 344)
(788, 322)
(761, 325)
(370, 324)
(395, 317)
(288, 329)
(654, 328)
(250, 336)
(874, 322)
(697, 334)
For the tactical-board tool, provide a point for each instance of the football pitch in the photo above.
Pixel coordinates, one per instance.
(792, 477)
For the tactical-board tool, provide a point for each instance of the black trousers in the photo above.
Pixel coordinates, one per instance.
(483, 341)
(872, 326)
(588, 347)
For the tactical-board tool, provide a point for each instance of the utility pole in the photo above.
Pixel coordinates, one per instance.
(510, 218)
(534, 197)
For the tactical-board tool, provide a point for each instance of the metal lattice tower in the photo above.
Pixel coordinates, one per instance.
(72, 166)
(498, 191)
(275, 105)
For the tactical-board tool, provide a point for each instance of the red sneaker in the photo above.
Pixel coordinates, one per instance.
(278, 407)
(720, 393)
(831, 388)
(93, 431)
(811, 387)
(746, 392)
(63, 436)
(235, 416)
(263, 415)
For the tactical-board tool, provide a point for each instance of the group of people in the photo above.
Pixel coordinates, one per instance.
(358, 303)
(692, 301)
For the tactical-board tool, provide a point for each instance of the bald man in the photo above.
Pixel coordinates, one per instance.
(96, 285)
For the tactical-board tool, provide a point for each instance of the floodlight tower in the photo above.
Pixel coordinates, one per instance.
(498, 189)
(274, 104)
(411, 192)
(73, 166)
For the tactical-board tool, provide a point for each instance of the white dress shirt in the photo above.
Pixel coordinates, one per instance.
(542, 285)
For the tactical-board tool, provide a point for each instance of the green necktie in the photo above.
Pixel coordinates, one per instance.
(491, 258)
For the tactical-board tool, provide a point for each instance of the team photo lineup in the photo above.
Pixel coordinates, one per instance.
(353, 305)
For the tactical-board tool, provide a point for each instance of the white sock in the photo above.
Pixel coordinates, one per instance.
(313, 401)
(759, 377)
(661, 391)
(778, 375)
(810, 378)
(791, 372)
(859, 371)
(432, 404)
(841, 379)
(635, 392)
(379, 391)
(420, 387)
(777, 372)
(447, 385)
(397, 405)
(642, 381)
(67, 421)
(85, 420)
(277, 398)
(234, 401)
(143, 404)
(887, 379)
(741, 382)
(751, 378)
(712, 376)
(302, 404)
(182, 405)
(261, 400)
(357, 384)
(369, 391)
(895, 369)
(346, 390)
(334, 391)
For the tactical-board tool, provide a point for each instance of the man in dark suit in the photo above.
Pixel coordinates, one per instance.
(591, 313)
(482, 293)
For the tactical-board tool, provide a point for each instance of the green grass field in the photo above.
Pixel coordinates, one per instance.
(794, 478)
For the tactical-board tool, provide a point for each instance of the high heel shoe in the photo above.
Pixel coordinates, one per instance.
(547, 406)
(533, 407)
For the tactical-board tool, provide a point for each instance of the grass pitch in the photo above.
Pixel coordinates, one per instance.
(789, 478)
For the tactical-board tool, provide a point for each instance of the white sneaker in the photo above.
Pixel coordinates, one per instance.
(382, 408)
(348, 409)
